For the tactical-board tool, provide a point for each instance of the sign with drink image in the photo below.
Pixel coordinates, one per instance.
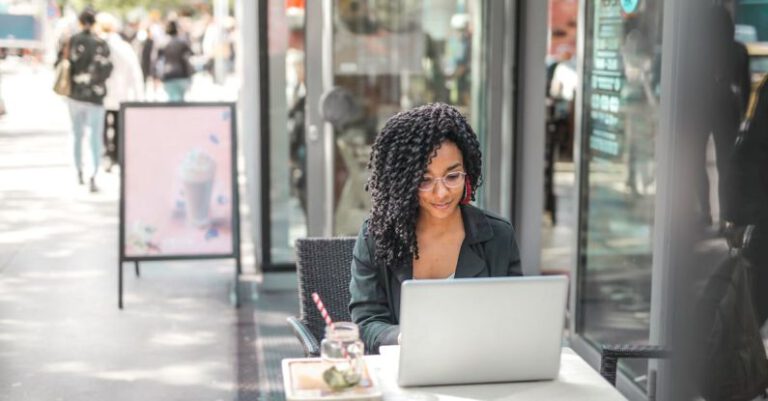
(178, 195)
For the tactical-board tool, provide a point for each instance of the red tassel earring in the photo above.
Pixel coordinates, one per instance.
(467, 192)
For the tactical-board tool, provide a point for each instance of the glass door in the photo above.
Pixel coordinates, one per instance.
(283, 100)
(620, 114)
(367, 60)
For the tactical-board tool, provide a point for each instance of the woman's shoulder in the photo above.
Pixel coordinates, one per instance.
(363, 233)
(495, 220)
(495, 231)
(364, 251)
(365, 243)
(487, 225)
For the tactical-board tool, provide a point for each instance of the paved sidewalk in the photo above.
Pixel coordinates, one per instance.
(61, 334)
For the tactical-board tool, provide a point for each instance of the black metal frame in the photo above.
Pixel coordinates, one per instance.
(235, 199)
(515, 144)
(611, 353)
(582, 188)
(266, 206)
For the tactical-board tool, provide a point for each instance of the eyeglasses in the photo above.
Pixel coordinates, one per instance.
(451, 180)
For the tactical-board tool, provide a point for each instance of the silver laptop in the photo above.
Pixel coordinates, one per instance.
(481, 330)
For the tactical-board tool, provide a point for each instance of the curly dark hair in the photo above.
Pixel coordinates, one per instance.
(401, 153)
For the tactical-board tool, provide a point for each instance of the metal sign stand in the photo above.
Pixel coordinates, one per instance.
(235, 204)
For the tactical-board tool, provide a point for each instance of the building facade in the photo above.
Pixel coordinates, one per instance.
(580, 109)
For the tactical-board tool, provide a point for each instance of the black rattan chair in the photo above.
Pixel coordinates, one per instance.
(611, 354)
(323, 265)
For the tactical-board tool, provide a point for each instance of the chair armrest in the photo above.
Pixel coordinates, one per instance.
(612, 353)
(305, 337)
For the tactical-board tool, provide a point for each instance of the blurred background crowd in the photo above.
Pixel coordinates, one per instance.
(39, 31)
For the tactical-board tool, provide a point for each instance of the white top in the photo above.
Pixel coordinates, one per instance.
(126, 82)
(576, 381)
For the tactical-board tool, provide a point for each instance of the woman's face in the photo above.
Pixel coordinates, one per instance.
(442, 201)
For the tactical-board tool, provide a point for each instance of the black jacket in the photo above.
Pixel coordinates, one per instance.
(174, 60)
(89, 67)
(489, 250)
(732, 360)
(747, 193)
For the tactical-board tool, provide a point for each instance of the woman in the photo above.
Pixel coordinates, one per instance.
(90, 67)
(174, 66)
(425, 169)
(125, 84)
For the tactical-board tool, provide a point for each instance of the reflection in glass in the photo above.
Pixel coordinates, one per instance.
(390, 56)
(287, 195)
(558, 224)
(620, 114)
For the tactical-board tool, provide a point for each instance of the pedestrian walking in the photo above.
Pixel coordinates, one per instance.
(173, 65)
(123, 85)
(148, 53)
(90, 68)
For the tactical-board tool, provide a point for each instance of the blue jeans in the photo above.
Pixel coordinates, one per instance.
(87, 115)
(176, 88)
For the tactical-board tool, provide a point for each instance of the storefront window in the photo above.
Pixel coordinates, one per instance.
(390, 56)
(558, 226)
(618, 188)
(287, 147)
(385, 57)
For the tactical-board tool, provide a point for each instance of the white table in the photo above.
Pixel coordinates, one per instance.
(577, 381)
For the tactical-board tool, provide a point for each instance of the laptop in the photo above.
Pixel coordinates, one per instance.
(481, 330)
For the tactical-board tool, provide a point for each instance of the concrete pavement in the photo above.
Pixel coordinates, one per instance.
(62, 336)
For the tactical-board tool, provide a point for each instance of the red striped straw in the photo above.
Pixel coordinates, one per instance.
(321, 308)
(326, 317)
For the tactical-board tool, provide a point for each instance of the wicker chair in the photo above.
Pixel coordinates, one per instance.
(611, 354)
(324, 266)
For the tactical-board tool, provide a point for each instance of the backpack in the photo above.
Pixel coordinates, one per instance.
(747, 193)
(733, 364)
(747, 190)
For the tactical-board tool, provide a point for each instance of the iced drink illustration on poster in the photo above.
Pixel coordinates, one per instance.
(178, 176)
(197, 175)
